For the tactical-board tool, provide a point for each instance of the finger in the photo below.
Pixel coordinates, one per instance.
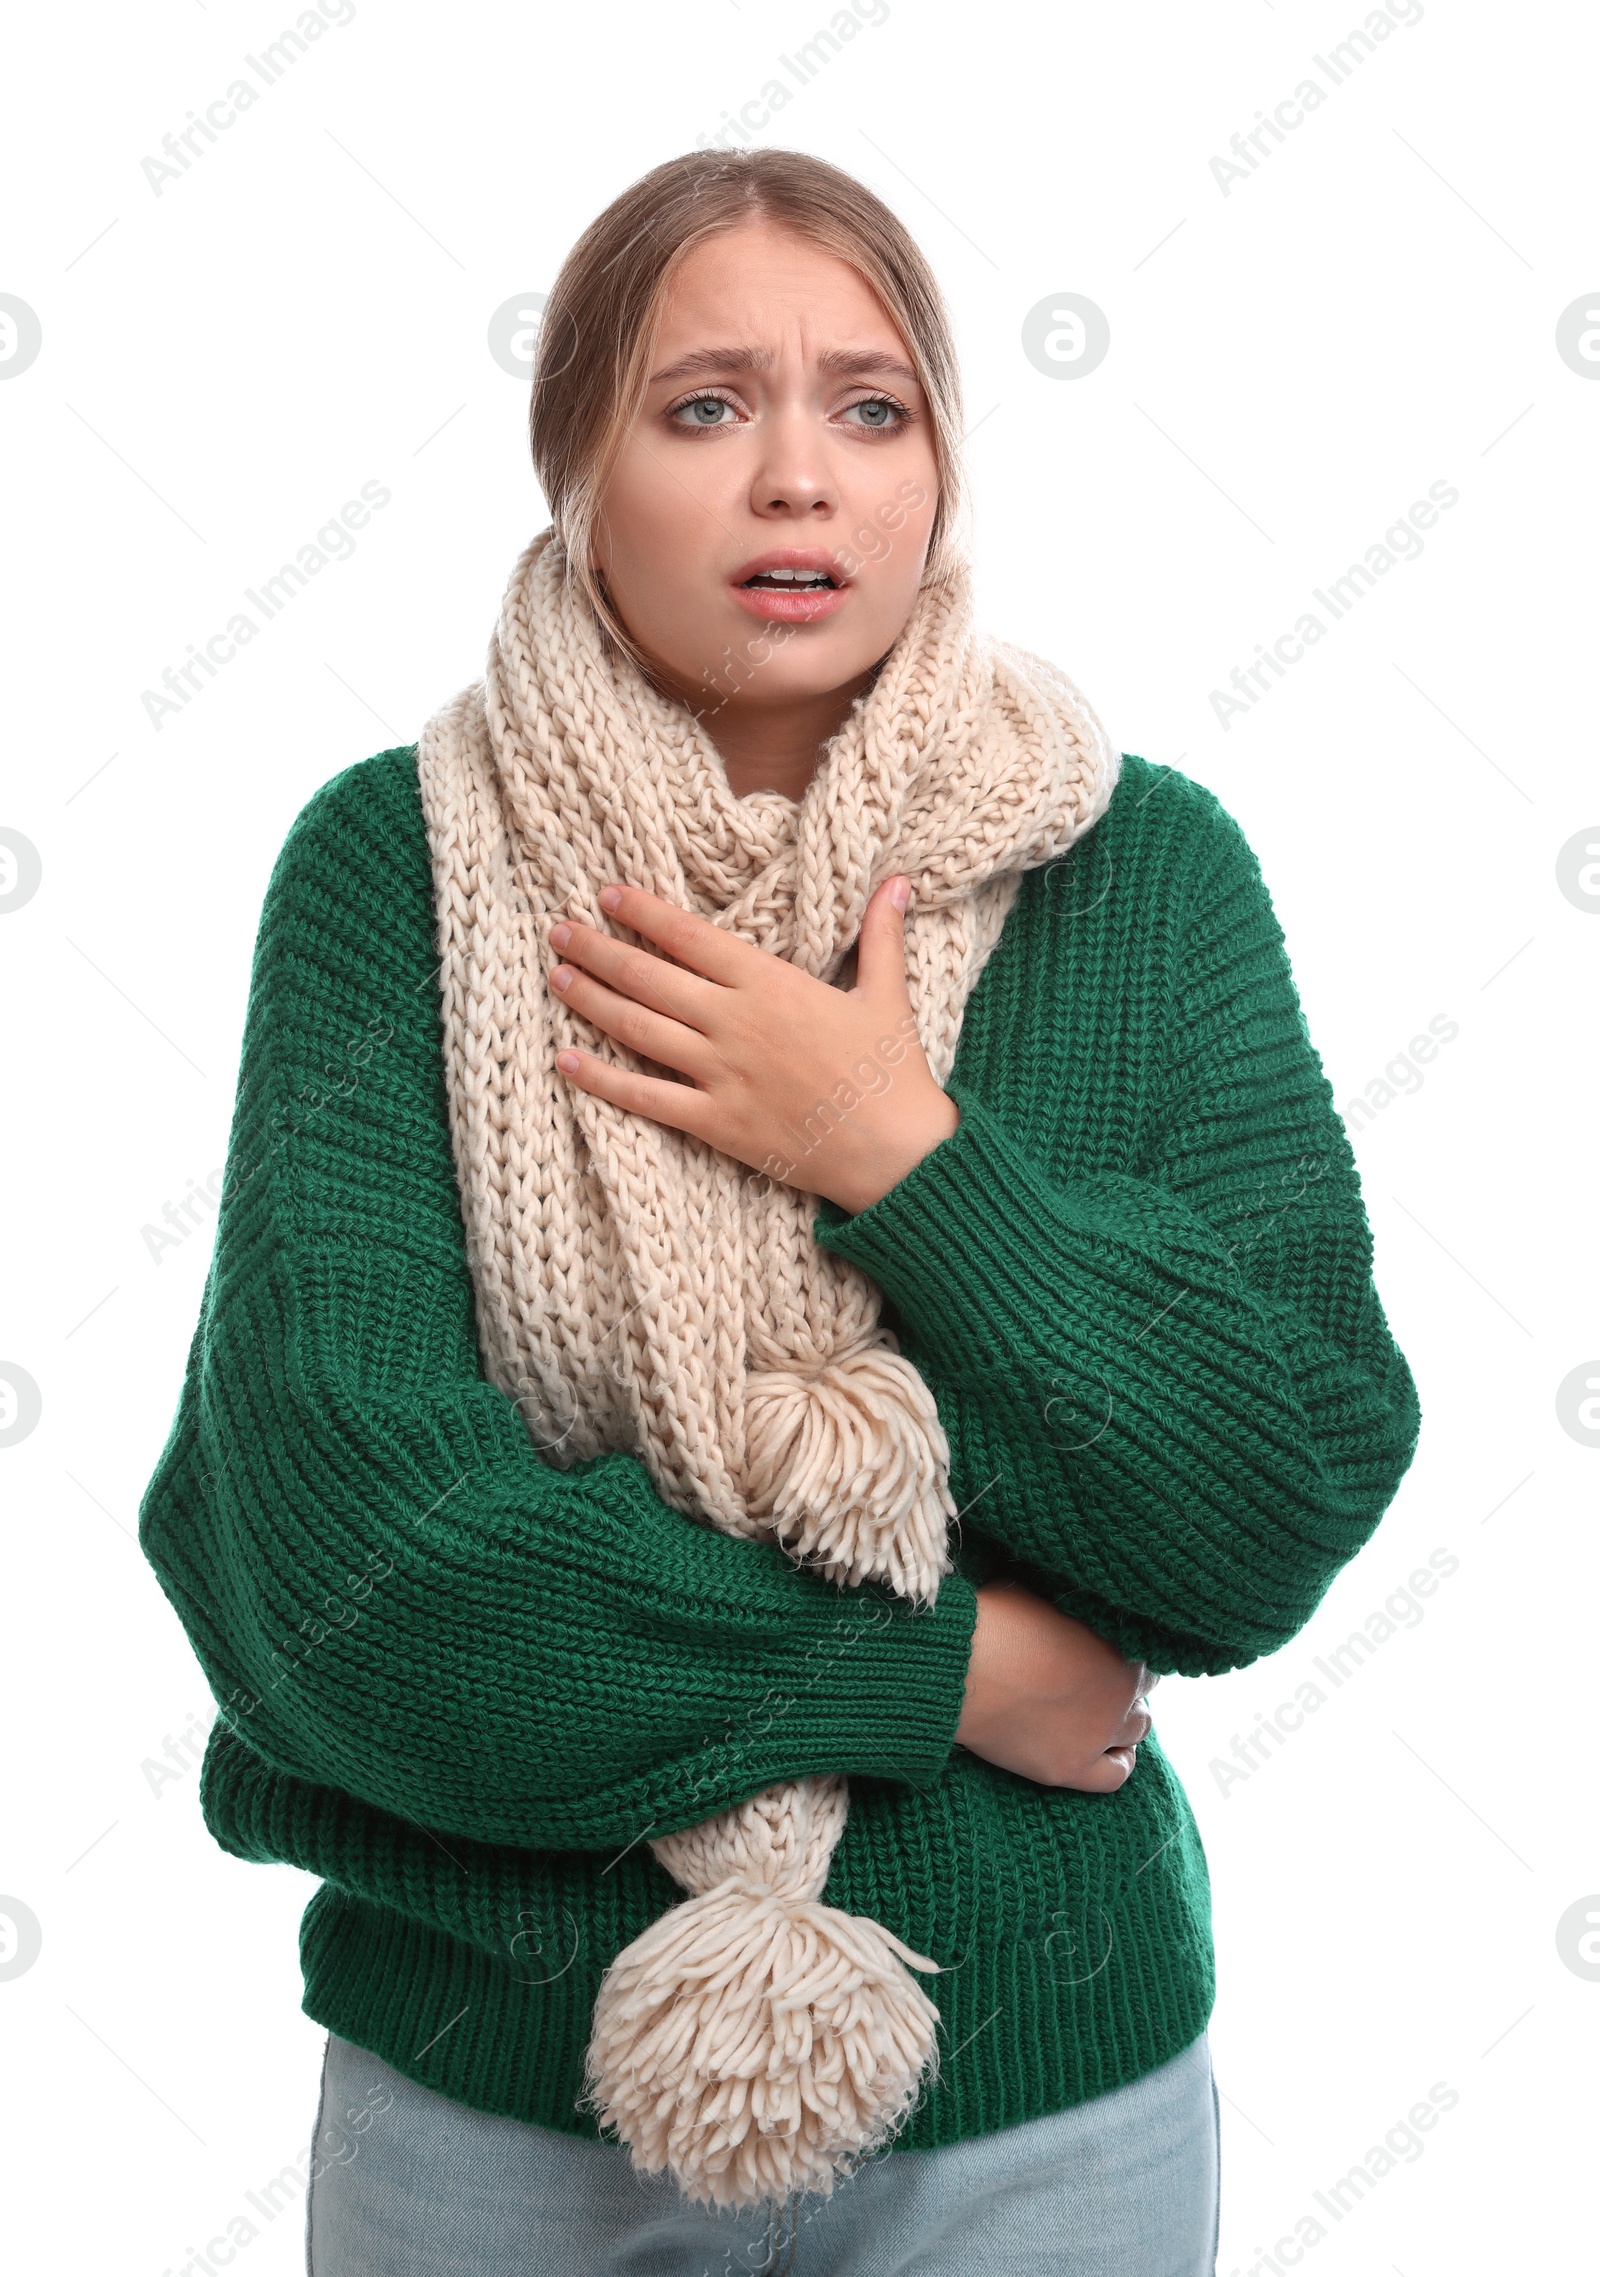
(1104, 1774)
(881, 952)
(637, 973)
(677, 1105)
(694, 941)
(668, 1042)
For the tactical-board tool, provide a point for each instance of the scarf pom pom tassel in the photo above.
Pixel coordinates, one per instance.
(754, 2042)
(846, 1465)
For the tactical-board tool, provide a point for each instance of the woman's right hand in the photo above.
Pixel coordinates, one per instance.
(1048, 1698)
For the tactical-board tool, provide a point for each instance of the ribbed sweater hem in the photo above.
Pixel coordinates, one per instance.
(454, 2019)
(1072, 1933)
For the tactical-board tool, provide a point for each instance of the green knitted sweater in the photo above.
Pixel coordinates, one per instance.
(462, 1687)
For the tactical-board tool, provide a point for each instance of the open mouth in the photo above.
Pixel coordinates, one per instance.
(790, 586)
(791, 581)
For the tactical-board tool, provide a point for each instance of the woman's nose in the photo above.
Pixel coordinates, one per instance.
(793, 474)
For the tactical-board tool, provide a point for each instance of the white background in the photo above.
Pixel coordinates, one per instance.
(1292, 363)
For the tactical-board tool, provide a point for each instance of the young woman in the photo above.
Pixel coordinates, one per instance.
(786, 1250)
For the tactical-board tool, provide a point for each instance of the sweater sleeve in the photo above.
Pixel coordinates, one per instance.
(391, 1592)
(1173, 1397)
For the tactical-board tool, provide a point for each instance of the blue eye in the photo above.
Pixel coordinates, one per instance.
(883, 413)
(699, 404)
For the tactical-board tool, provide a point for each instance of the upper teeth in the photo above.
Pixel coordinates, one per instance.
(796, 576)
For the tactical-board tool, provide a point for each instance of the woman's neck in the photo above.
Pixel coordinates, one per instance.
(776, 747)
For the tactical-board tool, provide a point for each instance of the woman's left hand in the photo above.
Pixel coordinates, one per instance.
(823, 1088)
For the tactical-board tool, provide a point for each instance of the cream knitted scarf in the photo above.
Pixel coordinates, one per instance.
(638, 1290)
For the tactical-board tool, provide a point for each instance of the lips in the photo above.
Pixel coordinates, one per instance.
(785, 599)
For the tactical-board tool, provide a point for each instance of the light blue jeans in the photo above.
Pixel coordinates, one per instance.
(407, 2183)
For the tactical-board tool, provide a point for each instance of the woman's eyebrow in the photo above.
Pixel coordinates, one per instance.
(843, 363)
(860, 363)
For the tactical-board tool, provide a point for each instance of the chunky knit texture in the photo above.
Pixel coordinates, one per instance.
(467, 1689)
(640, 1292)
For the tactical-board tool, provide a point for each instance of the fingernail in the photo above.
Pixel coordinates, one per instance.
(560, 935)
(900, 892)
(567, 1062)
(561, 977)
(610, 897)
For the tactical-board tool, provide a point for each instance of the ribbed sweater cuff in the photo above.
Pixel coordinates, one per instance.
(878, 1691)
(964, 1245)
(979, 1248)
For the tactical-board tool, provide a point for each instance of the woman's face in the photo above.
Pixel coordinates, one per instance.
(783, 430)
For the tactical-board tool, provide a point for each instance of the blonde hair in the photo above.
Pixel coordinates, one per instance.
(602, 321)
